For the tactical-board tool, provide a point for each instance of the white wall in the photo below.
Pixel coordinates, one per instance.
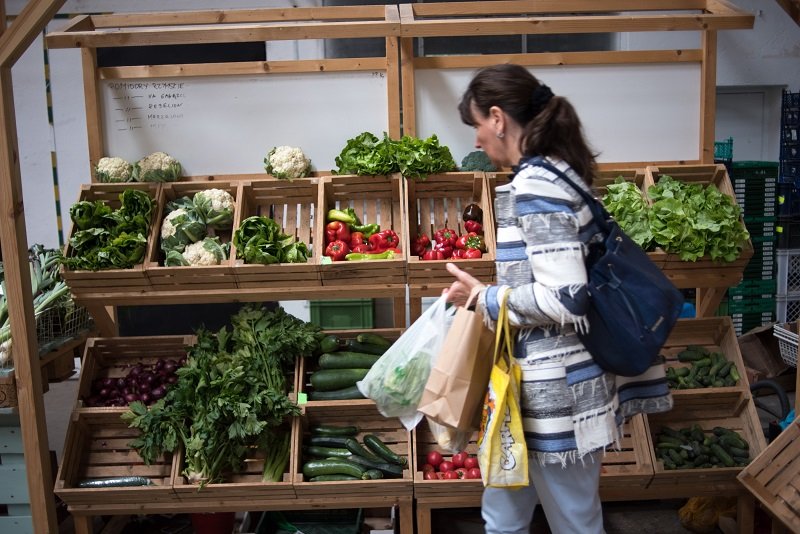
(758, 61)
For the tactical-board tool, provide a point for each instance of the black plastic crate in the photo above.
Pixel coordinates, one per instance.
(790, 170)
(327, 521)
(788, 230)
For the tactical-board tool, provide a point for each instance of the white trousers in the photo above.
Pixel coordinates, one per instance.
(569, 496)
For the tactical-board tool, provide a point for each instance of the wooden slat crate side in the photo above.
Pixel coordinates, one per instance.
(247, 483)
(203, 277)
(369, 421)
(704, 481)
(114, 357)
(8, 391)
(608, 176)
(716, 334)
(774, 479)
(126, 278)
(295, 207)
(424, 442)
(439, 202)
(376, 199)
(630, 464)
(97, 446)
(309, 364)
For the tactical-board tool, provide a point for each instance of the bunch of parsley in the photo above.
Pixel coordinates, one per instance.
(230, 397)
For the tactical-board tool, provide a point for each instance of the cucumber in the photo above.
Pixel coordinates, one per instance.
(352, 445)
(347, 360)
(331, 430)
(316, 468)
(114, 482)
(357, 346)
(333, 478)
(327, 452)
(371, 338)
(328, 441)
(333, 379)
(347, 393)
(374, 474)
(331, 343)
(391, 470)
(374, 444)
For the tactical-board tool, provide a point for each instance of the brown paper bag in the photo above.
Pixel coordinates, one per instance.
(457, 384)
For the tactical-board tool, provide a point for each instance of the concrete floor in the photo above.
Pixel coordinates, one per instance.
(640, 517)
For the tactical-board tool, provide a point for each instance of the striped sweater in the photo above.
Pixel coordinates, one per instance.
(570, 406)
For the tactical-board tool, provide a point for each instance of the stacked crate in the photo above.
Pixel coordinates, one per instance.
(788, 254)
(751, 303)
(723, 153)
(790, 144)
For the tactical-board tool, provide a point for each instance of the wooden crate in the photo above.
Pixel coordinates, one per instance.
(438, 202)
(8, 390)
(461, 489)
(97, 446)
(113, 357)
(247, 484)
(717, 334)
(369, 421)
(702, 482)
(608, 176)
(376, 199)
(308, 365)
(774, 477)
(188, 278)
(295, 207)
(704, 272)
(110, 280)
(629, 466)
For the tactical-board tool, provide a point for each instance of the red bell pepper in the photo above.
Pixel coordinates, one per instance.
(337, 250)
(475, 241)
(337, 230)
(446, 250)
(362, 248)
(357, 238)
(383, 240)
(433, 254)
(419, 244)
(473, 226)
(446, 236)
(472, 253)
(458, 253)
(461, 242)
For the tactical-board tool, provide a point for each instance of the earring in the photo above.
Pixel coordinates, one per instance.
(500, 135)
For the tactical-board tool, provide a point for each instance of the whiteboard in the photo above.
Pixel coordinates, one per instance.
(639, 112)
(227, 124)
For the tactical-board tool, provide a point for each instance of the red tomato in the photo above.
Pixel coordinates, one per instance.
(434, 458)
(428, 467)
(430, 475)
(473, 473)
(451, 475)
(446, 466)
(461, 472)
(470, 462)
(458, 459)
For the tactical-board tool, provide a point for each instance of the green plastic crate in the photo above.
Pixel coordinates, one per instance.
(329, 521)
(724, 149)
(342, 314)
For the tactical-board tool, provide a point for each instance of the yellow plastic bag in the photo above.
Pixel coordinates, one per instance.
(502, 454)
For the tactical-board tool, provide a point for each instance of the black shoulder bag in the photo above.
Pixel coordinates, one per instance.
(633, 305)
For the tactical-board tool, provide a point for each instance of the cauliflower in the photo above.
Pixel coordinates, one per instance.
(207, 252)
(167, 228)
(215, 207)
(181, 227)
(157, 167)
(113, 169)
(287, 162)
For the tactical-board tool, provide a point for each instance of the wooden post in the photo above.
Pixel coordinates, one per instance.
(708, 100)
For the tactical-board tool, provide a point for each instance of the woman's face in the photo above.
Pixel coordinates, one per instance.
(487, 128)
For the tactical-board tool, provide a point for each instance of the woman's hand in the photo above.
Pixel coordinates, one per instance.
(459, 291)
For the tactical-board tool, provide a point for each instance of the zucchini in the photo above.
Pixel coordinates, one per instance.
(372, 338)
(337, 466)
(391, 470)
(356, 448)
(347, 393)
(333, 379)
(374, 444)
(332, 478)
(357, 346)
(114, 482)
(327, 452)
(374, 474)
(331, 430)
(347, 360)
(331, 343)
(328, 441)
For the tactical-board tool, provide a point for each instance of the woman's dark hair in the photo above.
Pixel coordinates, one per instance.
(550, 127)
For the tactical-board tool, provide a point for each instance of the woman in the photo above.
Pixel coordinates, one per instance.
(571, 408)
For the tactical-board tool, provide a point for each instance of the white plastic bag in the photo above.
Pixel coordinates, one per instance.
(396, 381)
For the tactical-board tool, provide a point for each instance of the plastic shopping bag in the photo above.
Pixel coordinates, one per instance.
(396, 381)
(502, 453)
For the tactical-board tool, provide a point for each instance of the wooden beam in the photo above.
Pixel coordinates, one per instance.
(708, 96)
(20, 312)
(792, 8)
(26, 26)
